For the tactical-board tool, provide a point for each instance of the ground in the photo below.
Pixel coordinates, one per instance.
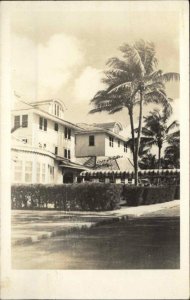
(144, 237)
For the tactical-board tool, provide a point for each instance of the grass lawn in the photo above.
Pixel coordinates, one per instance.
(139, 243)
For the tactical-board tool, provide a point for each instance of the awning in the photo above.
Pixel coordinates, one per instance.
(71, 165)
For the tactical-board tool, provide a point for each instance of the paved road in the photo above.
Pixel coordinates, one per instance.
(33, 225)
(138, 243)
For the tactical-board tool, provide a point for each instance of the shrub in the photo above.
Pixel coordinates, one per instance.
(133, 195)
(84, 196)
(159, 194)
(177, 192)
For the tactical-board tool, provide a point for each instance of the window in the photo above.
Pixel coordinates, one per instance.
(18, 170)
(56, 150)
(24, 141)
(40, 122)
(56, 127)
(111, 141)
(51, 173)
(91, 140)
(38, 172)
(118, 143)
(67, 153)
(125, 146)
(17, 121)
(43, 173)
(67, 133)
(57, 109)
(28, 171)
(25, 121)
(43, 124)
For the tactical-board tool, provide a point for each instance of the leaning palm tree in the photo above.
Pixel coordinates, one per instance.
(156, 130)
(133, 80)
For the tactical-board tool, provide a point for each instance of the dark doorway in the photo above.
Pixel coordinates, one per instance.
(68, 177)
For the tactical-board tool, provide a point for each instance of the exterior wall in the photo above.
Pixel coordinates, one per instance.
(35, 175)
(115, 150)
(101, 147)
(52, 138)
(25, 132)
(82, 147)
(52, 108)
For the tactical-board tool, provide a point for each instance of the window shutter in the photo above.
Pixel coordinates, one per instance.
(25, 121)
(17, 121)
(45, 124)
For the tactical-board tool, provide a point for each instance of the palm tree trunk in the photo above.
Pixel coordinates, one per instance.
(130, 111)
(138, 138)
(159, 156)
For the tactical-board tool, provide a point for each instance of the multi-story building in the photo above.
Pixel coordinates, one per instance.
(48, 149)
(43, 144)
(100, 140)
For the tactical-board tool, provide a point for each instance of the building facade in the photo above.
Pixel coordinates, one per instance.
(49, 150)
(102, 141)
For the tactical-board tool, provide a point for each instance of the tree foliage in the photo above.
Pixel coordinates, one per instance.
(131, 80)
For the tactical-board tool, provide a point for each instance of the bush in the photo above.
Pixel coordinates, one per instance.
(133, 195)
(158, 194)
(177, 192)
(139, 195)
(84, 196)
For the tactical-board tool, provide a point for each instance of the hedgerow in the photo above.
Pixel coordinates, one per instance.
(87, 196)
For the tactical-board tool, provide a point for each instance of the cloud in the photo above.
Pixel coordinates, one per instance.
(87, 84)
(39, 70)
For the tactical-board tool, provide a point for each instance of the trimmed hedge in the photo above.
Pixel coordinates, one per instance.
(177, 192)
(133, 195)
(139, 195)
(159, 194)
(87, 196)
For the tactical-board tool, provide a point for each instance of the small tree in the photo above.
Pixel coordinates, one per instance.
(172, 151)
(156, 130)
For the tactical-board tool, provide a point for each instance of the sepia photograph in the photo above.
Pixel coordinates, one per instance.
(95, 142)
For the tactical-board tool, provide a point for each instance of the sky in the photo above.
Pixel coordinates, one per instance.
(59, 50)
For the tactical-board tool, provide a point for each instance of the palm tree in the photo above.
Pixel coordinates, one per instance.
(172, 151)
(133, 80)
(148, 161)
(156, 130)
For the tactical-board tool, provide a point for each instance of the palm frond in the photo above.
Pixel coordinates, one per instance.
(115, 109)
(95, 110)
(122, 86)
(171, 76)
(131, 54)
(154, 76)
(147, 132)
(117, 63)
(172, 125)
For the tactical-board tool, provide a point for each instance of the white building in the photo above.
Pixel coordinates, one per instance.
(100, 140)
(47, 149)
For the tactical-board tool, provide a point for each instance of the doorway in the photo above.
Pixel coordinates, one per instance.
(68, 177)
